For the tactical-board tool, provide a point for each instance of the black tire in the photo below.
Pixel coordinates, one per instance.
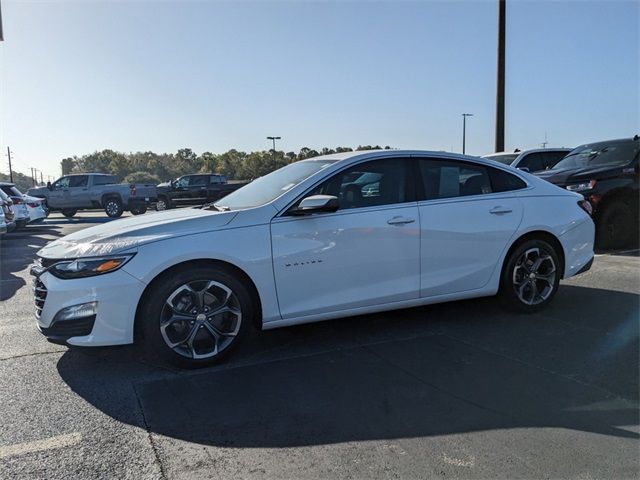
(616, 226)
(154, 310)
(113, 207)
(139, 210)
(517, 285)
(69, 212)
(163, 203)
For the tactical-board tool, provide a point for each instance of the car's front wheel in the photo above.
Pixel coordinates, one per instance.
(196, 316)
(531, 276)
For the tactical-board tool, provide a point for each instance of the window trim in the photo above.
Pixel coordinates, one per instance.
(283, 213)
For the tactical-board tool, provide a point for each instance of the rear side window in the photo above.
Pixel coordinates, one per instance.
(103, 180)
(78, 181)
(502, 181)
(448, 179)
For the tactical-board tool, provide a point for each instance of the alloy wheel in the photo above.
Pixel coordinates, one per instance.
(200, 319)
(534, 276)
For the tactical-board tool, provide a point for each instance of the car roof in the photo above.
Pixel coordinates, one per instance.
(609, 142)
(548, 149)
(7, 184)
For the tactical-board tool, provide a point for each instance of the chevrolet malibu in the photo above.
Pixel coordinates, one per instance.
(319, 239)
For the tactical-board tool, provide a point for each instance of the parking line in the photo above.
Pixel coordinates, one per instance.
(50, 443)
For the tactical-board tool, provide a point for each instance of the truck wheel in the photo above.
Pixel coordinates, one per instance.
(615, 227)
(139, 210)
(69, 212)
(162, 204)
(113, 207)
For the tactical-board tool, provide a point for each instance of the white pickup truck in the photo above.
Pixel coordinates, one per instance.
(86, 191)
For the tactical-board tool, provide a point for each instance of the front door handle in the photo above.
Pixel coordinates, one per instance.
(500, 210)
(400, 220)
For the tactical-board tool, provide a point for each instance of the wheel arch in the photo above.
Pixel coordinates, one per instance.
(537, 235)
(108, 196)
(229, 267)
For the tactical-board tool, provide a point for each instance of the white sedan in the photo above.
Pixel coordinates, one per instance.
(319, 239)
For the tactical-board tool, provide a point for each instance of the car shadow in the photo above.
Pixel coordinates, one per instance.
(17, 251)
(443, 369)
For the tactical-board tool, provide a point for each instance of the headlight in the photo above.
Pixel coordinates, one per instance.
(579, 187)
(89, 267)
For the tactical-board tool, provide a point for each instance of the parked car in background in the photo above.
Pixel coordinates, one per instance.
(85, 191)
(195, 189)
(606, 173)
(19, 205)
(328, 237)
(533, 160)
(6, 204)
(506, 158)
(34, 206)
(3, 221)
(539, 159)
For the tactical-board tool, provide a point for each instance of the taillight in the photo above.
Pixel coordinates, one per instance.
(32, 204)
(17, 200)
(586, 206)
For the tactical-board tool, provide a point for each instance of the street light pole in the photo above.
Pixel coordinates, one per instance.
(464, 130)
(274, 141)
(502, 13)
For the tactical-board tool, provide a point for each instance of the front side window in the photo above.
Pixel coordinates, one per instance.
(369, 184)
(182, 182)
(61, 183)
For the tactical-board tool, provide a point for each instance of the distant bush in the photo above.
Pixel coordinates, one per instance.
(142, 177)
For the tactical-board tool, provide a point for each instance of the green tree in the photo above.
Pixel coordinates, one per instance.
(209, 162)
(142, 177)
(67, 165)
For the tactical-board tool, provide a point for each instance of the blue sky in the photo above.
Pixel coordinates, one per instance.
(83, 76)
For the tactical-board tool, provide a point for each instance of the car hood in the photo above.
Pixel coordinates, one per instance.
(38, 191)
(564, 176)
(129, 233)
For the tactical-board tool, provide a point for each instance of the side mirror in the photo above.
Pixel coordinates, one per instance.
(49, 186)
(316, 204)
(524, 169)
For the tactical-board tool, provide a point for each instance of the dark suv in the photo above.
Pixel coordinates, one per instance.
(196, 189)
(606, 173)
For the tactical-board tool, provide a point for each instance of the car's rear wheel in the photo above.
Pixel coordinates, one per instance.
(139, 210)
(195, 317)
(616, 226)
(531, 276)
(69, 212)
(113, 207)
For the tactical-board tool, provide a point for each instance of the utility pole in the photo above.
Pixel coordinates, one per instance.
(545, 143)
(33, 179)
(10, 170)
(502, 13)
(464, 130)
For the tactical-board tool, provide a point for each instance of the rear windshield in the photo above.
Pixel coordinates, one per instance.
(606, 153)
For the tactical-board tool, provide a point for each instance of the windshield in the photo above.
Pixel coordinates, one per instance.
(271, 186)
(619, 153)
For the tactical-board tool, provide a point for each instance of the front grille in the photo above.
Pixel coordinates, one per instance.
(70, 328)
(40, 295)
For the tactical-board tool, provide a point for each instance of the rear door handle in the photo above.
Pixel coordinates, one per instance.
(400, 220)
(500, 210)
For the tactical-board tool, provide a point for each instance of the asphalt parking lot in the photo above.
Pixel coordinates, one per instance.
(462, 390)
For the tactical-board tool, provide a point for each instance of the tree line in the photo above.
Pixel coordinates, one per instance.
(150, 167)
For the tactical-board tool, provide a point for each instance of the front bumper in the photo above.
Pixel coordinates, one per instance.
(117, 295)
